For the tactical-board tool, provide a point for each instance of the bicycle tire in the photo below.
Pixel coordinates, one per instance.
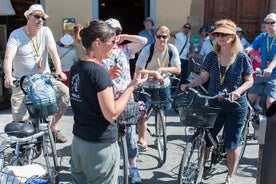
(161, 138)
(50, 156)
(243, 140)
(192, 163)
(123, 170)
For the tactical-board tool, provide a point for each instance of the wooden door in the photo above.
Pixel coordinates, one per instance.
(247, 14)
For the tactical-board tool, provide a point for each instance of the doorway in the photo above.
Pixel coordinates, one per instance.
(130, 13)
(247, 14)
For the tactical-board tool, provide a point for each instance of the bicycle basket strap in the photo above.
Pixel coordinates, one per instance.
(130, 114)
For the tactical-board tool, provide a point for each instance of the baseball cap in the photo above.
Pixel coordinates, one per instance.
(271, 16)
(114, 23)
(35, 8)
(149, 19)
(239, 29)
(66, 39)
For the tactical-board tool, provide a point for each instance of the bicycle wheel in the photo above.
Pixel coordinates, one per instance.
(50, 156)
(243, 140)
(192, 163)
(123, 172)
(161, 136)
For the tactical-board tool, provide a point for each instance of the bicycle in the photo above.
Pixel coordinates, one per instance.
(23, 142)
(128, 117)
(200, 115)
(158, 96)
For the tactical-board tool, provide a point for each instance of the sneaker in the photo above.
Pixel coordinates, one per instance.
(142, 146)
(134, 176)
(258, 108)
(229, 181)
(58, 137)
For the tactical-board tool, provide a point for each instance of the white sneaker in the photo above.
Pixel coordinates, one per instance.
(258, 108)
(134, 176)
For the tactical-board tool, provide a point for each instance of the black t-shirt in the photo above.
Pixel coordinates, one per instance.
(86, 80)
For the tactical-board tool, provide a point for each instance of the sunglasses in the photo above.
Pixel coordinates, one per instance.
(187, 27)
(38, 17)
(273, 22)
(221, 34)
(118, 32)
(161, 36)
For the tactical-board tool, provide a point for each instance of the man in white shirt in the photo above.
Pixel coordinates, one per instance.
(182, 43)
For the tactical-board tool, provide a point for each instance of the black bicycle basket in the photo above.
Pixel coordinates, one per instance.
(197, 114)
(130, 114)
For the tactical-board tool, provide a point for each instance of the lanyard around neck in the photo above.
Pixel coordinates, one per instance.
(269, 46)
(222, 77)
(34, 44)
(163, 60)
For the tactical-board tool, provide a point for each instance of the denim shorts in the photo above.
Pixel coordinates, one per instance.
(264, 85)
(131, 139)
(233, 118)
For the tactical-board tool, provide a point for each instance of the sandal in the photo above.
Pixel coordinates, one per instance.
(58, 137)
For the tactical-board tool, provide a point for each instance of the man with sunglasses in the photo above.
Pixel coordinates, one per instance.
(182, 43)
(27, 54)
(266, 41)
(159, 65)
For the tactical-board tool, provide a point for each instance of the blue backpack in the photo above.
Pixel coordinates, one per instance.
(42, 97)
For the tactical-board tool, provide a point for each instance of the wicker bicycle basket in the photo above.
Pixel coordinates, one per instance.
(10, 175)
(198, 116)
(130, 114)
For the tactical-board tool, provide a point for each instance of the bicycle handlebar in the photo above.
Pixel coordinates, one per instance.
(226, 96)
(16, 82)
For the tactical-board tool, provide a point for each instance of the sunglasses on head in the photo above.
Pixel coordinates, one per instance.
(38, 17)
(161, 36)
(273, 22)
(221, 34)
(187, 27)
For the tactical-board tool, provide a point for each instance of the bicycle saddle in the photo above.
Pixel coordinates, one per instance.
(19, 129)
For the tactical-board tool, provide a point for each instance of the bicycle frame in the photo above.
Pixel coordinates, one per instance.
(24, 149)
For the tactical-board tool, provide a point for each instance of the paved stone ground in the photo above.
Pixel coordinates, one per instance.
(147, 161)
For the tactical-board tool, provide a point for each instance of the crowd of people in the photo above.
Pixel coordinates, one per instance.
(98, 86)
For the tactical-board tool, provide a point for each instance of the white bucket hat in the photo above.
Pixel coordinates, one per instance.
(35, 8)
(66, 39)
